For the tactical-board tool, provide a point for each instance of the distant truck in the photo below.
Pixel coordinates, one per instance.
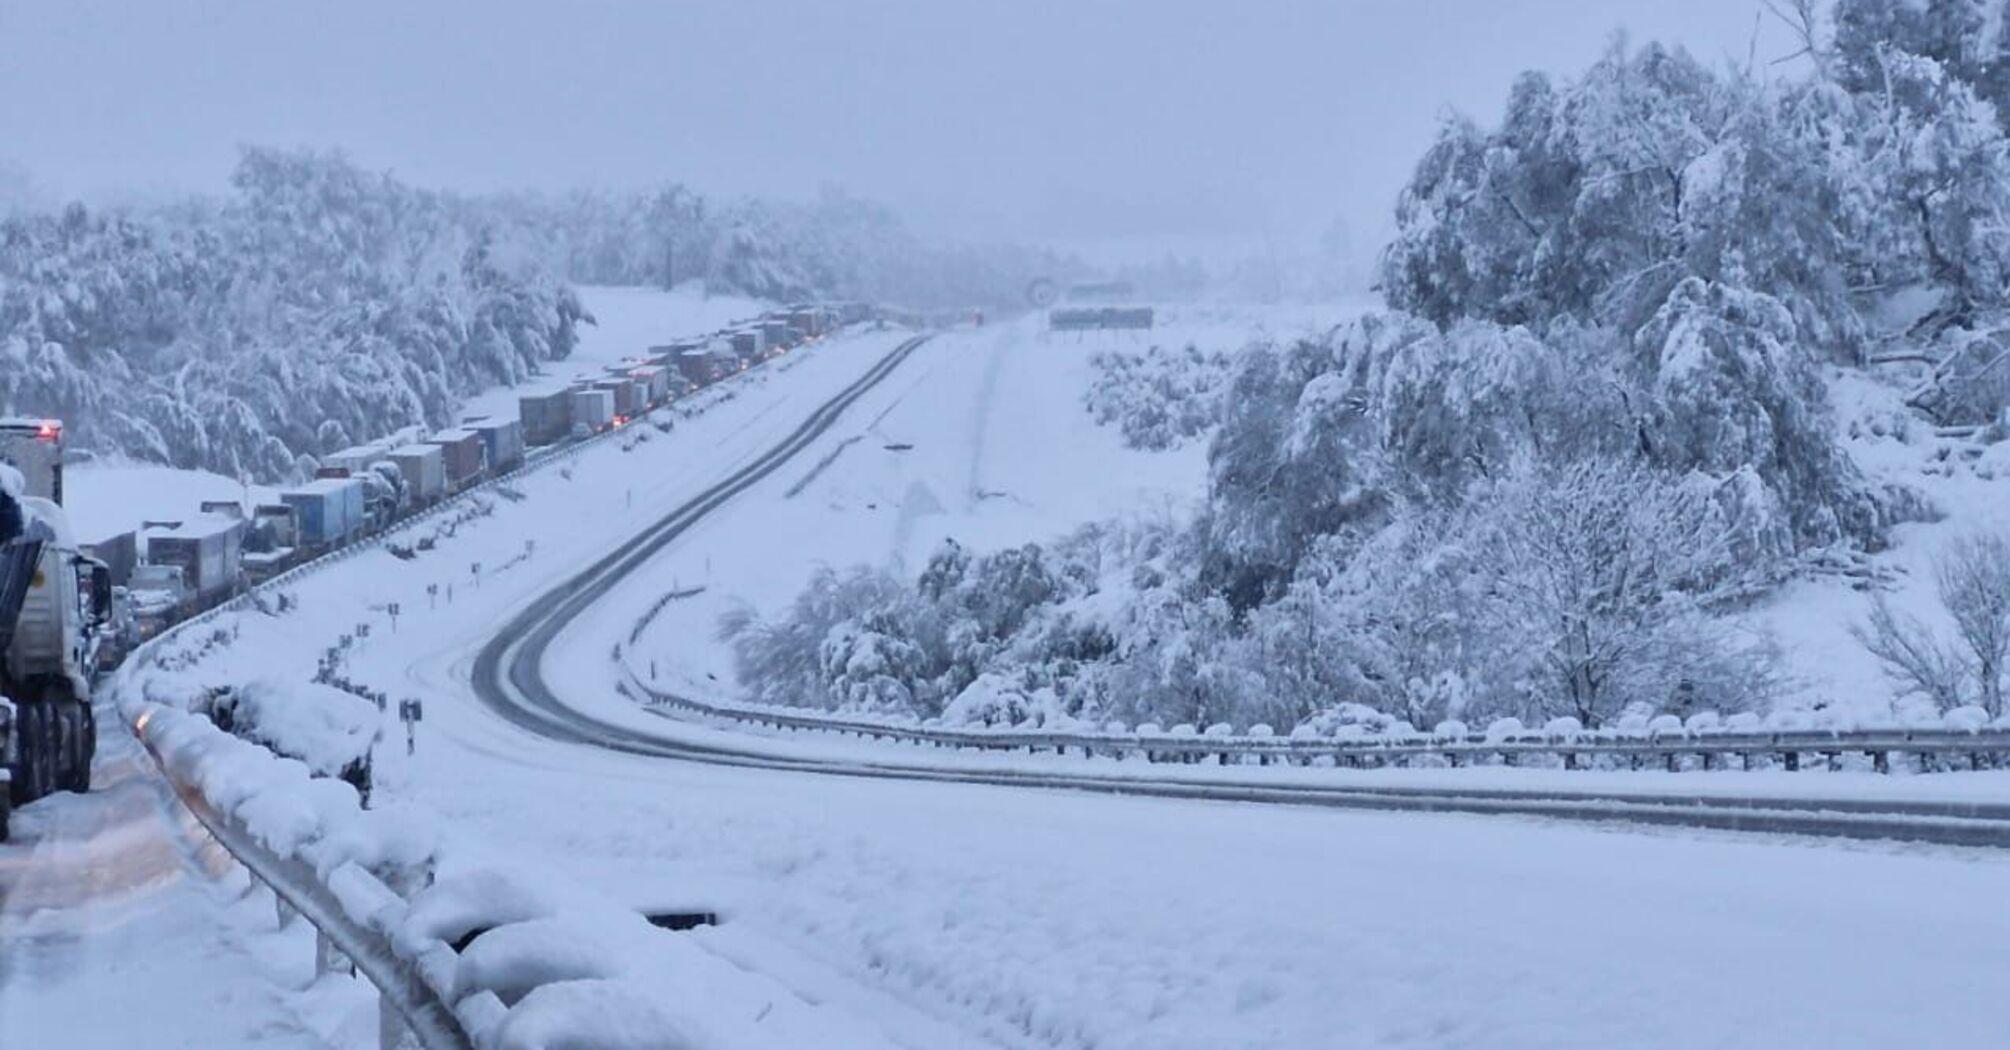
(34, 447)
(425, 471)
(547, 418)
(464, 456)
(159, 595)
(120, 553)
(592, 410)
(502, 443)
(329, 511)
(705, 365)
(655, 381)
(208, 549)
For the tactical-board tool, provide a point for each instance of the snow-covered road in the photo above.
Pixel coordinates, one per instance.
(960, 915)
(122, 924)
(1038, 919)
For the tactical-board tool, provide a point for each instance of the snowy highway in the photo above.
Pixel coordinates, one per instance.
(934, 915)
(972, 915)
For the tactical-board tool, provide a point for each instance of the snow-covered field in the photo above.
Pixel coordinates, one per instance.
(983, 439)
(971, 916)
(1812, 618)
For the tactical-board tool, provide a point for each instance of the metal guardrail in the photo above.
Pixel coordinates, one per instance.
(417, 989)
(1972, 823)
(1709, 749)
(408, 1002)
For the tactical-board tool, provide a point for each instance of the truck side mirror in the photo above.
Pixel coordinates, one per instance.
(101, 590)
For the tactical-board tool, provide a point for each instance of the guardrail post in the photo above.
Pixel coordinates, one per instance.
(1750, 759)
(1570, 760)
(328, 958)
(1880, 761)
(1792, 759)
(392, 1033)
(1673, 762)
(282, 910)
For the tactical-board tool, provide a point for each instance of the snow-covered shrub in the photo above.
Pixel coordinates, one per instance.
(1161, 398)
(1972, 582)
(996, 700)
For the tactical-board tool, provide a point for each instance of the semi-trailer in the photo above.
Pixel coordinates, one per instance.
(329, 511)
(502, 442)
(424, 468)
(464, 456)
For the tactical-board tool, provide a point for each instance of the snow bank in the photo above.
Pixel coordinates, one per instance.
(515, 959)
(451, 909)
(590, 1015)
(320, 725)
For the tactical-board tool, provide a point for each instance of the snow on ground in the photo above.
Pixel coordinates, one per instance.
(951, 916)
(123, 925)
(107, 497)
(971, 916)
(984, 438)
(627, 321)
(1812, 618)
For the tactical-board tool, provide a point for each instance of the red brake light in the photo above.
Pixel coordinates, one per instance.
(49, 431)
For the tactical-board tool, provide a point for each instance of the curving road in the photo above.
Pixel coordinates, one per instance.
(508, 678)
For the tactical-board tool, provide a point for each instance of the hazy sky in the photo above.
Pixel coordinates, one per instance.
(1070, 122)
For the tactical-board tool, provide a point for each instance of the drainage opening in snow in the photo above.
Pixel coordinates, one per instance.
(682, 920)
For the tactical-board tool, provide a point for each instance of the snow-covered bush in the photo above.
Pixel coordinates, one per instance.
(1972, 582)
(1160, 398)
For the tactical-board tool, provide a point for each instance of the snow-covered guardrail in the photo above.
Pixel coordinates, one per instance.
(1958, 742)
(479, 962)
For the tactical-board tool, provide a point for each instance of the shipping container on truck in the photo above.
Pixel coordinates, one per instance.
(592, 409)
(655, 381)
(330, 511)
(424, 468)
(547, 417)
(628, 396)
(464, 455)
(208, 548)
(502, 441)
(355, 459)
(807, 319)
(35, 448)
(278, 523)
(747, 343)
(120, 554)
(779, 334)
(269, 541)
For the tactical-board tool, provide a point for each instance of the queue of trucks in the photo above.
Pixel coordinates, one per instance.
(69, 611)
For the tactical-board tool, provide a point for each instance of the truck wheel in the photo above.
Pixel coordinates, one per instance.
(30, 776)
(76, 776)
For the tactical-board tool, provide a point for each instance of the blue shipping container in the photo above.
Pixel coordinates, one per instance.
(330, 510)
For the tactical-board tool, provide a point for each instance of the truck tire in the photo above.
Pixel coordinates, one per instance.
(74, 721)
(31, 777)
